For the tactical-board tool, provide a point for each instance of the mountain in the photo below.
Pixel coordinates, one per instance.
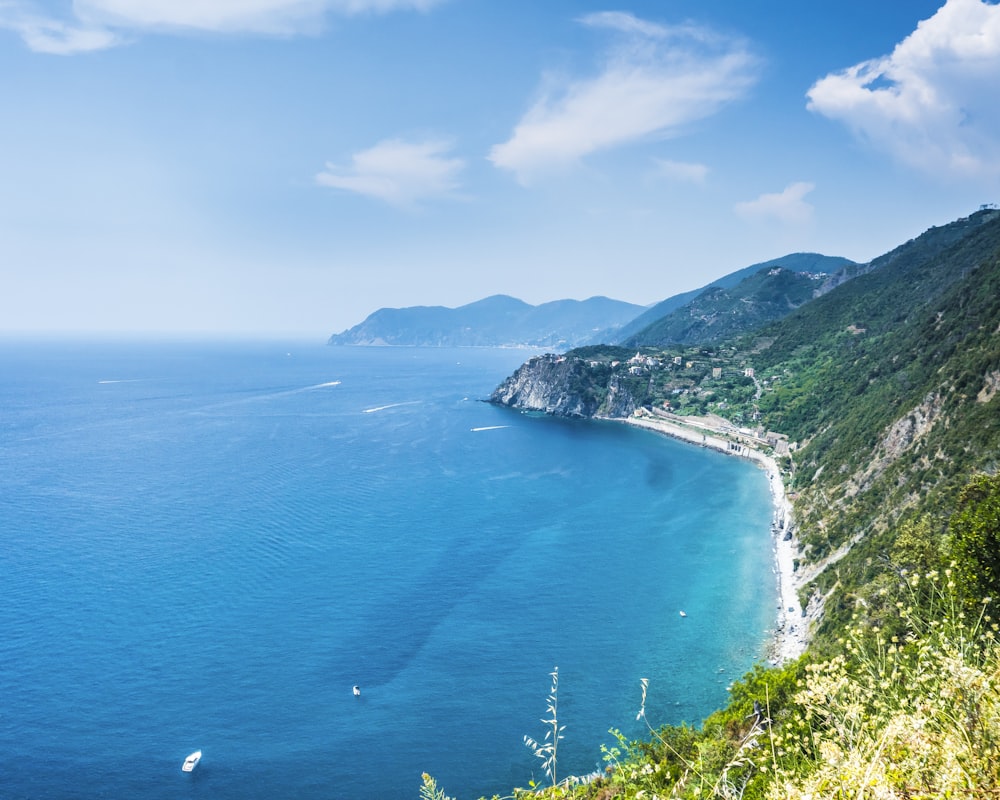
(497, 321)
(720, 313)
(733, 303)
(882, 395)
(813, 263)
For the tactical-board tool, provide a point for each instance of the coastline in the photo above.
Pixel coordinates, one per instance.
(792, 626)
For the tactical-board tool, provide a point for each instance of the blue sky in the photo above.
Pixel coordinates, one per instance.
(286, 167)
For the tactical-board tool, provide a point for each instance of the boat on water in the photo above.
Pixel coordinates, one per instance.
(191, 761)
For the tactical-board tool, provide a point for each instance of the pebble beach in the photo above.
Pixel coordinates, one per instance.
(792, 626)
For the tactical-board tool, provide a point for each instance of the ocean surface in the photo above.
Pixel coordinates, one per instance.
(205, 546)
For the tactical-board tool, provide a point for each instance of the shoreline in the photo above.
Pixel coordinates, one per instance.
(792, 626)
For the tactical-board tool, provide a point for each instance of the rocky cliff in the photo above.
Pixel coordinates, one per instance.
(567, 387)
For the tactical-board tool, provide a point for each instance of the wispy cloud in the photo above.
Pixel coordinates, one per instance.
(680, 171)
(398, 172)
(655, 81)
(787, 206)
(53, 36)
(99, 24)
(932, 103)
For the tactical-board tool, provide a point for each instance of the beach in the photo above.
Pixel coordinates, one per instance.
(792, 625)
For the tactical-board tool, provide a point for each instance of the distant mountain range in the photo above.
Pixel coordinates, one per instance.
(739, 301)
(497, 321)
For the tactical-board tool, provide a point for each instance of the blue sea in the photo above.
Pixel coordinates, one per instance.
(206, 546)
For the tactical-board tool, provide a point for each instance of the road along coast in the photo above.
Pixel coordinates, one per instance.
(792, 629)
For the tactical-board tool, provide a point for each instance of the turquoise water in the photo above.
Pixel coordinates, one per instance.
(205, 546)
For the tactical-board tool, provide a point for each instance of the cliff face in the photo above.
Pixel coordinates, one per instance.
(567, 387)
(619, 402)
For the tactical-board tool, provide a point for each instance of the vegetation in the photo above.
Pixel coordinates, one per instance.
(644, 329)
(719, 313)
(548, 749)
(887, 389)
(975, 530)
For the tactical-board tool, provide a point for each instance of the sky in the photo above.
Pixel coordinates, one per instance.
(286, 167)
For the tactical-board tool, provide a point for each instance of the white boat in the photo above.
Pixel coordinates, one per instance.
(683, 614)
(191, 761)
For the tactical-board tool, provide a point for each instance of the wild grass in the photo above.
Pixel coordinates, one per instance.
(907, 711)
(915, 715)
(548, 749)
(429, 789)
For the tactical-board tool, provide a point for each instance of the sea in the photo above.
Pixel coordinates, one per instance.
(207, 545)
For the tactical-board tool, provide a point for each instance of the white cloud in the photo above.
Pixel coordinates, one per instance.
(252, 16)
(681, 171)
(98, 24)
(932, 103)
(398, 172)
(624, 22)
(656, 80)
(226, 16)
(786, 206)
(45, 35)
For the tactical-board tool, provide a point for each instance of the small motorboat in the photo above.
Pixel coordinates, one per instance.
(683, 614)
(191, 761)
(357, 691)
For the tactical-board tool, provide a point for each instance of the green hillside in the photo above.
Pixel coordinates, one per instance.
(720, 313)
(887, 385)
(835, 268)
(886, 389)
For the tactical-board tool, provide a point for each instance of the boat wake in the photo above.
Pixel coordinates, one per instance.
(391, 405)
(489, 428)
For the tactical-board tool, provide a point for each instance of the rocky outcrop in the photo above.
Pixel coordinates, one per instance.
(565, 387)
(903, 435)
(619, 402)
(991, 383)
(549, 384)
(911, 427)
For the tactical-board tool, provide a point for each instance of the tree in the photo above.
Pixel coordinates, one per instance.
(975, 530)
